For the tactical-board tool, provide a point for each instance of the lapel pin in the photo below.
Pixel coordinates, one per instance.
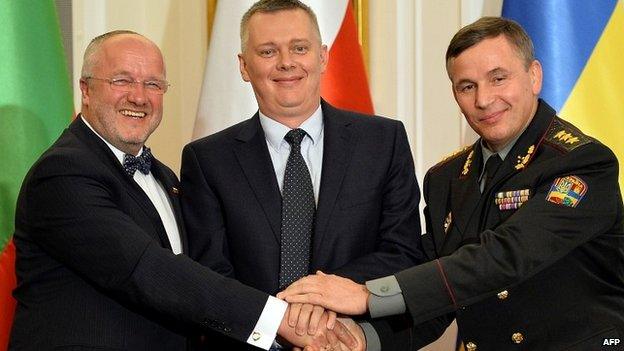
(447, 222)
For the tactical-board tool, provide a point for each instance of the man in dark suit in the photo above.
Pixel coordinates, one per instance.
(361, 190)
(526, 224)
(99, 234)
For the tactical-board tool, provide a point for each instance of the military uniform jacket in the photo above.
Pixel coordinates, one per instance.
(536, 261)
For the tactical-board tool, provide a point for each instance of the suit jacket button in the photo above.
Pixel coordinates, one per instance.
(503, 294)
(517, 338)
(471, 346)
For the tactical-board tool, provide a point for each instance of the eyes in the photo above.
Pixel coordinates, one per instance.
(299, 49)
(152, 85)
(466, 87)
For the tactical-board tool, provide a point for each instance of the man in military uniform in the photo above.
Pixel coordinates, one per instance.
(524, 226)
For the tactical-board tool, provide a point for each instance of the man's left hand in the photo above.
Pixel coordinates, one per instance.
(330, 291)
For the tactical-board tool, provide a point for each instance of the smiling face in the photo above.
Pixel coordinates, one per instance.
(124, 119)
(284, 59)
(495, 90)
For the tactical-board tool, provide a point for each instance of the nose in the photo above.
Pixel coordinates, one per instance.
(285, 61)
(484, 96)
(137, 94)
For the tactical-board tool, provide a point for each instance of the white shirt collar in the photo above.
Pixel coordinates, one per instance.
(275, 132)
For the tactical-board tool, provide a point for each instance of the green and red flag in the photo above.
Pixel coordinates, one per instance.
(35, 106)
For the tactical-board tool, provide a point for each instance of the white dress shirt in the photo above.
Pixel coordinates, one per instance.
(311, 147)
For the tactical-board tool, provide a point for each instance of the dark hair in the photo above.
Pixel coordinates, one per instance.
(269, 6)
(490, 27)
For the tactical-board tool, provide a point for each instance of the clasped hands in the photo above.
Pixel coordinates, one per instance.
(314, 302)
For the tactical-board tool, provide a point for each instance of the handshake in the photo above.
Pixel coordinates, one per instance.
(311, 317)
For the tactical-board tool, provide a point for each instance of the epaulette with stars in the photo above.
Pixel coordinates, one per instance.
(455, 154)
(564, 136)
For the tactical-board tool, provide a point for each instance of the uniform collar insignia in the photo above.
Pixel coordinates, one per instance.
(523, 160)
(467, 164)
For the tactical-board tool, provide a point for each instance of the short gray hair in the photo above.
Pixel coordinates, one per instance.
(89, 56)
(271, 6)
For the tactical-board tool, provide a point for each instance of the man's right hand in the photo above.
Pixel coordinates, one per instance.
(324, 339)
(334, 339)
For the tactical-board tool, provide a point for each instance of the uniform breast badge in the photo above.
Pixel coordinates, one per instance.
(511, 200)
(567, 191)
(447, 222)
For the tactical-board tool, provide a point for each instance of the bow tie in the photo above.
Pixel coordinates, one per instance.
(143, 162)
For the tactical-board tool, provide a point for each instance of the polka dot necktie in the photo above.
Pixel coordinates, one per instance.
(142, 163)
(297, 213)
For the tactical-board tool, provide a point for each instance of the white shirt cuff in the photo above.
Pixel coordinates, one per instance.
(270, 319)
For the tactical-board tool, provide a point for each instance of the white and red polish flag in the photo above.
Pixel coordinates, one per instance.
(226, 99)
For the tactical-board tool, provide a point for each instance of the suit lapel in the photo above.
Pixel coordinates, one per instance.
(339, 141)
(106, 157)
(253, 155)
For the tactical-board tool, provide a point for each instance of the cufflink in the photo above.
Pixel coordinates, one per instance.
(175, 190)
(256, 336)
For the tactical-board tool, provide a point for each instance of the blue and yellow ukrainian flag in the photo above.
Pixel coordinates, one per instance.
(580, 44)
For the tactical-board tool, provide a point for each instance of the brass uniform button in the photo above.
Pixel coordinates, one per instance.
(471, 346)
(517, 338)
(503, 294)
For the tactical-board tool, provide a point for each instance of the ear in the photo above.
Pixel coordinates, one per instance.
(242, 66)
(536, 74)
(84, 91)
(324, 57)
